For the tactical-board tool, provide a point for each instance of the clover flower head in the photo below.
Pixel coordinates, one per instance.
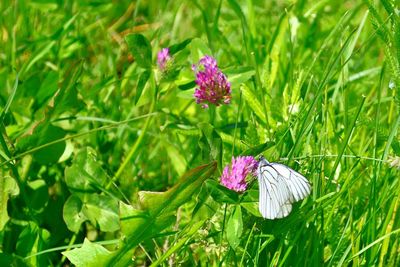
(212, 85)
(163, 59)
(234, 177)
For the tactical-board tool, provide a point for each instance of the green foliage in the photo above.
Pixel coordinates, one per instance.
(9, 188)
(234, 227)
(107, 160)
(89, 254)
(85, 178)
(140, 48)
(159, 211)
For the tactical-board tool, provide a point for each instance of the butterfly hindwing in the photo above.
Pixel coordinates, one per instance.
(280, 186)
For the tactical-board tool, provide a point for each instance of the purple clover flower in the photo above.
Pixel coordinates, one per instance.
(163, 59)
(213, 86)
(234, 178)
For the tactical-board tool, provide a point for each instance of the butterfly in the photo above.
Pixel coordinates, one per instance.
(279, 187)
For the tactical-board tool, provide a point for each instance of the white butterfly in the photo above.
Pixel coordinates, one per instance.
(280, 186)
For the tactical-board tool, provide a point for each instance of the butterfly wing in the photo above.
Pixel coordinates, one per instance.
(298, 185)
(279, 187)
(274, 193)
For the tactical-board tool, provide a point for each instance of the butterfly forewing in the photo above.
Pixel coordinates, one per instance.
(279, 186)
(297, 183)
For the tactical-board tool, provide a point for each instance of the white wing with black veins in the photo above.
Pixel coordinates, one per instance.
(279, 187)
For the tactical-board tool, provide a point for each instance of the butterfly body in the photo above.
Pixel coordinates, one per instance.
(279, 187)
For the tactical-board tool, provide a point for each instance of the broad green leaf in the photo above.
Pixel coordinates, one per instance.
(8, 188)
(169, 201)
(89, 255)
(50, 154)
(140, 48)
(234, 227)
(44, 134)
(85, 175)
(72, 213)
(84, 178)
(102, 211)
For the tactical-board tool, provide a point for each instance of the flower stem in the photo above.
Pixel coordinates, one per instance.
(212, 114)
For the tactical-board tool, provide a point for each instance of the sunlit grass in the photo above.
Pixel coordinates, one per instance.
(91, 129)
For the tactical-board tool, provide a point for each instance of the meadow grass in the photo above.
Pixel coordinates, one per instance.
(108, 161)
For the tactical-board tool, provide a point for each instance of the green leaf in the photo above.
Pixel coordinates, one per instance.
(143, 78)
(140, 48)
(72, 213)
(187, 86)
(89, 255)
(8, 188)
(85, 175)
(44, 134)
(159, 211)
(101, 211)
(173, 49)
(84, 179)
(50, 154)
(250, 202)
(234, 227)
(237, 76)
(130, 217)
(220, 193)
